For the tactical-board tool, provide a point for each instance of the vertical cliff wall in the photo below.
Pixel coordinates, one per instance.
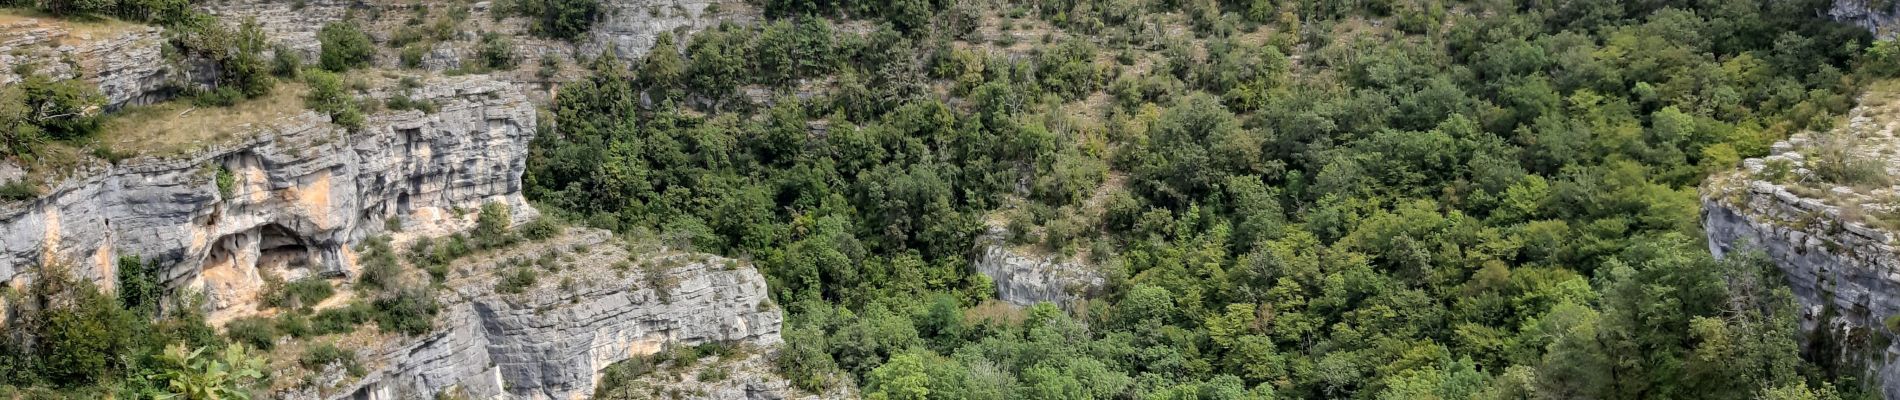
(1877, 16)
(298, 191)
(1833, 242)
(552, 340)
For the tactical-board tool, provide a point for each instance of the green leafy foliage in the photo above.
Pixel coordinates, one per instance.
(344, 47)
(1470, 201)
(58, 109)
(329, 96)
(559, 19)
(317, 357)
(198, 375)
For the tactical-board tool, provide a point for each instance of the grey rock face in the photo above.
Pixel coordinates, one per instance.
(1843, 270)
(632, 26)
(551, 341)
(127, 63)
(300, 191)
(1867, 14)
(628, 28)
(748, 378)
(1026, 279)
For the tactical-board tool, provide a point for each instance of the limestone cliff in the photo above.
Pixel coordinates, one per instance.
(294, 195)
(1877, 16)
(125, 60)
(1023, 277)
(605, 302)
(626, 28)
(1833, 242)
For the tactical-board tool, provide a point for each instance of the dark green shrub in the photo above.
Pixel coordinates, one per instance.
(345, 46)
(340, 320)
(329, 96)
(227, 182)
(61, 109)
(305, 292)
(285, 62)
(540, 229)
(409, 311)
(316, 357)
(491, 226)
(19, 191)
(223, 96)
(294, 324)
(401, 102)
(258, 332)
(497, 52)
(516, 281)
(560, 19)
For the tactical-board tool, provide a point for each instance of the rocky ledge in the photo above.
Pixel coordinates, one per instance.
(126, 60)
(1877, 16)
(287, 200)
(599, 301)
(1025, 278)
(1833, 242)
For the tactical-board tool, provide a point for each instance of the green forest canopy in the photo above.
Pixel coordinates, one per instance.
(1377, 199)
(1295, 199)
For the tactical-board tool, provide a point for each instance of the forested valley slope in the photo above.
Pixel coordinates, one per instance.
(949, 199)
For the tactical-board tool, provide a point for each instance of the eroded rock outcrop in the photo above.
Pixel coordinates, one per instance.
(1834, 242)
(289, 199)
(626, 28)
(125, 60)
(1025, 278)
(1877, 16)
(602, 304)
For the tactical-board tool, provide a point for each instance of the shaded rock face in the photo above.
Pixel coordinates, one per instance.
(1840, 263)
(1845, 282)
(296, 194)
(630, 27)
(1877, 16)
(1026, 279)
(126, 62)
(552, 340)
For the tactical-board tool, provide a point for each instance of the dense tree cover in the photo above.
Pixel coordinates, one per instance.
(69, 336)
(560, 19)
(1491, 200)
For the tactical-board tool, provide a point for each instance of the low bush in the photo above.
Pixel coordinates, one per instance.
(257, 332)
(409, 311)
(517, 281)
(340, 320)
(316, 357)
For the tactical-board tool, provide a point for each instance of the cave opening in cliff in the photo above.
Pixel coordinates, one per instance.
(269, 247)
(279, 248)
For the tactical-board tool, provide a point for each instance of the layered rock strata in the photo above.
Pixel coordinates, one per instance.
(1025, 278)
(552, 340)
(125, 60)
(1834, 243)
(1877, 16)
(287, 200)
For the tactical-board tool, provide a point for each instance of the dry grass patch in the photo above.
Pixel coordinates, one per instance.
(94, 27)
(177, 127)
